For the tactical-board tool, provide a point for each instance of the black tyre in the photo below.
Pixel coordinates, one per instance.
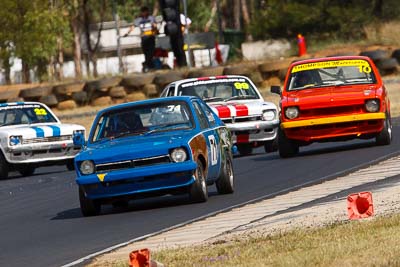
(287, 148)
(213, 71)
(70, 165)
(198, 190)
(137, 81)
(387, 65)
(80, 97)
(245, 149)
(375, 55)
(68, 88)
(271, 146)
(6, 95)
(396, 54)
(103, 84)
(89, 207)
(49, 100)
(3, 167)
(164, 78)
(385, 136)
(225, 183)
(36, 92)
(26, 170)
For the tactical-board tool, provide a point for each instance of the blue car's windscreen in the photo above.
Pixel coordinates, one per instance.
(24, 114)
(143, 119)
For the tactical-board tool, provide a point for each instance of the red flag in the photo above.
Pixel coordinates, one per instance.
(218, 55)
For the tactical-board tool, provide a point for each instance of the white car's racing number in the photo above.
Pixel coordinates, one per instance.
(214, 150)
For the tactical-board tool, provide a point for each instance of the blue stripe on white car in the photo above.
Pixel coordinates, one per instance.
(39, 131)
(56, 130)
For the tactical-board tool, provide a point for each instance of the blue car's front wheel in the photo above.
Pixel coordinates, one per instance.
(198, 190)
(89, 207)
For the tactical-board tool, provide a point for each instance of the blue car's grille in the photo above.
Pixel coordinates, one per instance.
(126, 164)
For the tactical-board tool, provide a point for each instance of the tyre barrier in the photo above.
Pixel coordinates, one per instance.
(139, 86)
(360, 205)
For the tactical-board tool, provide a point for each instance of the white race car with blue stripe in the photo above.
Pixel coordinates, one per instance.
(32, 136)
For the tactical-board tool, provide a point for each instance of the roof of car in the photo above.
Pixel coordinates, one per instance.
(18, 104)
(206, 78)
(312, 60)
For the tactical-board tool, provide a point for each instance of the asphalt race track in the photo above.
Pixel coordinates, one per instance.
(41, 223)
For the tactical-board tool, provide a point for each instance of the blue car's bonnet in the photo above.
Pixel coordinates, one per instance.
(132, 147)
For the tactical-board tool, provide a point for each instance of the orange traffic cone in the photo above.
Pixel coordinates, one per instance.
(359, 205)
(139, 258)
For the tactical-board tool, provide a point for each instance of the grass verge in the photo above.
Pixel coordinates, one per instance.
(356, 243)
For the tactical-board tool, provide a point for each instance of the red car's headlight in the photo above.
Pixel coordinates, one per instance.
(372, 105)
(291, 112)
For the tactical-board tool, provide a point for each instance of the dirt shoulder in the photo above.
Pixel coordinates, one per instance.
(308, 207)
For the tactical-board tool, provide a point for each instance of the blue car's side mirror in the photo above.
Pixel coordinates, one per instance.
(234, 149)
(79, 139)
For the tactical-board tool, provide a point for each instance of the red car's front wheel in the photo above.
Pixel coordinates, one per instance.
(287, 148)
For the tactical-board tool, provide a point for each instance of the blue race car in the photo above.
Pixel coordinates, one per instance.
(153, 147)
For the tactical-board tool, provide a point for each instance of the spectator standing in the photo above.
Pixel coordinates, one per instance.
(148, 31)
(185, 22)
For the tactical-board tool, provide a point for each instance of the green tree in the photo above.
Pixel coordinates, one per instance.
(30, 29)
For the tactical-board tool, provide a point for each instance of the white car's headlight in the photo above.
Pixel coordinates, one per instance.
(178, 155)
(292, 112)
(372, 105)
(268, 115)
(87, 167)
(15, 140)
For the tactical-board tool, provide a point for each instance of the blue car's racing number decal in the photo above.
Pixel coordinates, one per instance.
(214, 149)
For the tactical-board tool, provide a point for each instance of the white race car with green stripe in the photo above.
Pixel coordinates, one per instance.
(32, 136)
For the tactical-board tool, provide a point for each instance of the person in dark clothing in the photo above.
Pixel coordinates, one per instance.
(148, 31)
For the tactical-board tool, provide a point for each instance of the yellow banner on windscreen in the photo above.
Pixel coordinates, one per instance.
(361, 64)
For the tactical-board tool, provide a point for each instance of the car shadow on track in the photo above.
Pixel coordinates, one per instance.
(134, 206)
(337, 148)
(15, 175)
(334, 148)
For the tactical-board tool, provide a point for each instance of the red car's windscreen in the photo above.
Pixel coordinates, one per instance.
(330, 73)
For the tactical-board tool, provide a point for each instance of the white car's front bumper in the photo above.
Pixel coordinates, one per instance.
(41, 152)
(253, 131)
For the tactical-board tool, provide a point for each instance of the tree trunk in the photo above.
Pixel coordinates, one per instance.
(92, 50)
(213, 13)
(246, 19)
(236, 15)
(94, 62)
(156, 8)
(378, 8)
(77, 47)
(87, 63)
(7, 70)
(25, 73)
(59, 71)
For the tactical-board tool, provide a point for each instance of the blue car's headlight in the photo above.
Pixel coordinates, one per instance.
(15, 140)
(178, 155)
(86, 167)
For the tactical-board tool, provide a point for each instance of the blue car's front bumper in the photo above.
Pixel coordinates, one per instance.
(138, 180)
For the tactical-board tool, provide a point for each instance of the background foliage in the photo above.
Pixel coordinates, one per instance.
(38, 31)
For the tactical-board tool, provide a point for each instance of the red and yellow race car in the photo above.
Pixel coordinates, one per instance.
(332, 99)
